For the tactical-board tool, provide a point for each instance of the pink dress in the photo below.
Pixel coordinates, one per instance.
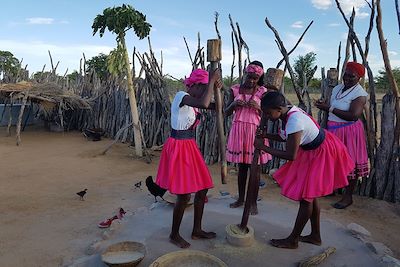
(317, 171)
(240, 145)
(182, 169)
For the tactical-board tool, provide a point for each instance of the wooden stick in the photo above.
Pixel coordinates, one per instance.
(21, 113)
(214, 57)
(397, 12)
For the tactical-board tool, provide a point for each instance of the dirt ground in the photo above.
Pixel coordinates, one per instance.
(45, 224)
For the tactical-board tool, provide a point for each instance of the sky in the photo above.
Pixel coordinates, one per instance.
(29, 29)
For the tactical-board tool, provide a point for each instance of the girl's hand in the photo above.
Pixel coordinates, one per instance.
(239, 103)
(218, 84)
(253, 104)
(215, 76)
(259, 143)
(322, 105)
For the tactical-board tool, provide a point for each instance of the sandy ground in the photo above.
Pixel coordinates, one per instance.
(45, 224)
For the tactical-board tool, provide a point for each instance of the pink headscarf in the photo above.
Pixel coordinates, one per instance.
(252, 68)
(197, 76)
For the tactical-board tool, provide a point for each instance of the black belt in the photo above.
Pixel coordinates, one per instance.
(316, 142)
(183, 134)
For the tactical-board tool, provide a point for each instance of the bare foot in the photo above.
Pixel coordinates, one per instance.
(284, 243)
(203, 235)
(253, 210)
(236, 204)
(342, 204)
(179, 241)
(311, 239)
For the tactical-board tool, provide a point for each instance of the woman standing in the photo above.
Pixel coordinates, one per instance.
(345, 109)
(245, 104)
(182, 169)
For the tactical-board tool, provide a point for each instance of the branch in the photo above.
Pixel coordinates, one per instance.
(371, 25)
(187, 47)
(216, 24)
(338, 60)
(298, 42)
(285, 55)
(398, 12)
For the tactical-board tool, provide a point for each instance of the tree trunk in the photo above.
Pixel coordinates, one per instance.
(132, 103)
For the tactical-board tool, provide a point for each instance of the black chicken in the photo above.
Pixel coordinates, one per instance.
(154, 189)
(81, 194)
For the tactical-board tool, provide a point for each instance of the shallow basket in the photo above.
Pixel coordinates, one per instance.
(120, 250)
(188, 258)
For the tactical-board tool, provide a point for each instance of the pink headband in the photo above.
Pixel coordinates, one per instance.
(252, 68)
(197, 76)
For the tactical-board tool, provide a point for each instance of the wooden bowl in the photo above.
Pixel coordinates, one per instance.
(188, 258)
(124, 254)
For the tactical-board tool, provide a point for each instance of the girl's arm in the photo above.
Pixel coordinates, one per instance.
(205, 99)
(353, 114)
(275, 137)
(230, 105)
(292, 147)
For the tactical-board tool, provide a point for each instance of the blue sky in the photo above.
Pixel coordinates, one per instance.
(31, 28)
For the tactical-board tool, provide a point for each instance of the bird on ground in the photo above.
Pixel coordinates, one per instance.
(81, 194)
(155, 189)
(138, 185)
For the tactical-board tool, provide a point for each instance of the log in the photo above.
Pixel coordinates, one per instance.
(21, 113)
(214, 56)
(274, 78)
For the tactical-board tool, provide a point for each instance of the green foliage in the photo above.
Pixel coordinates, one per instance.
(304, 64)
(73, 76)
(315, 84)
(382, 82)
(98, 64)
(116, 64)
(119, 20)
(9, 65)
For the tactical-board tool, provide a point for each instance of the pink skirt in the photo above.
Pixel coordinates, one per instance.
(240, 146)
(182, 169)
(315, 173)
(353, 137)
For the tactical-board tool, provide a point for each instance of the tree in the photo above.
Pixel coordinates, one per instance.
(98, 64)
(9, 65)
(119, 20)
(304, 65)
(382, 82)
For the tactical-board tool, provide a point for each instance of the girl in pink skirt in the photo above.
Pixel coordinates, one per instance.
(318, 163)
(245, 103)
(345, 109)
(182, 169)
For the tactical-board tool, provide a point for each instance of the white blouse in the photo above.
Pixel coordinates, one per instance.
(342, 100)
(182, 118)
(299, 121)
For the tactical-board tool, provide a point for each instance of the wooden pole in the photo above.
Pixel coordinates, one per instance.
(214, 56)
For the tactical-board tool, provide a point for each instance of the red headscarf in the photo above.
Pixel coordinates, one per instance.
(197, 76)
(356, 67)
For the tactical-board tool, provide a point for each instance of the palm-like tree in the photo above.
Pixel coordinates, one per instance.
(119, 20)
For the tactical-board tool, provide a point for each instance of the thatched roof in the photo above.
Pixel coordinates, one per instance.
(46, 94)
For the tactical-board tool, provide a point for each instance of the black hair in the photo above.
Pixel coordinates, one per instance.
(261, 80)
(273, 99)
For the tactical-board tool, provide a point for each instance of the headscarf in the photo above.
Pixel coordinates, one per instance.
(253, 68)
(197, 76)
(356, 67)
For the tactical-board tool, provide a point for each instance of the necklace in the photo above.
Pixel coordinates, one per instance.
(347, 92)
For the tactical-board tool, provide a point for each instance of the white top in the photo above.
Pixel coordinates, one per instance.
(299, 121)
(181, 117)
(342, 100)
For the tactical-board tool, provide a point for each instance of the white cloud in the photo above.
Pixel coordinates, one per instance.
(321, 4)
(334, 24)
(38, 20)
(298, 25)
(393, 53)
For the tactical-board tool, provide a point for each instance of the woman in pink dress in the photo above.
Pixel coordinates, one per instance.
(245, 104)
(318, 163)
(345, 109)
(182, 169)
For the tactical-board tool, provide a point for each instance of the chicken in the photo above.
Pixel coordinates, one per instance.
(81, 194)
(154, 189)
